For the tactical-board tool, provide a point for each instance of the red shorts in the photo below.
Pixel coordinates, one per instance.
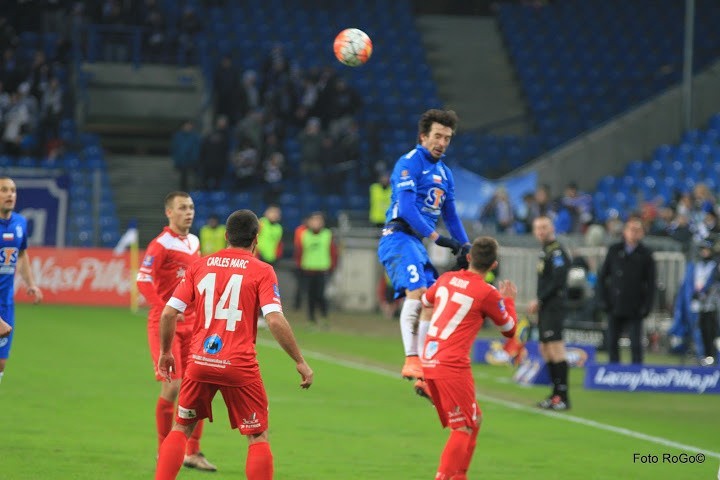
(180, 348)
(455, 401)
(247, 405)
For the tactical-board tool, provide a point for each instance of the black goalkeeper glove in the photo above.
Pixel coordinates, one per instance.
(461, 262)
(450, 243)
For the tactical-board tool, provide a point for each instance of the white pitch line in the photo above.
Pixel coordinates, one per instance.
(510, 404)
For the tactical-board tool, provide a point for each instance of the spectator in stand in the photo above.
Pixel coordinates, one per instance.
(245, 163)
(276, 68)
(348, 147)
(51, 109)
(680, 231)
(579, 205)
(212, 236)
(214, 154)
(189, 26)
(251, 128)
(545, 205)
(8, 37)
(339, 103)
(186, 152)
(499, 211)
(273, 176)
(311, 139)
(709, 227)
(226, 90)
(16, 122)
(4, 101)
(252, 93)
(155, 38)
(703, 198)
(525, 213)
(31, 103)
(308, 100)
(11, 71)
(39, 74)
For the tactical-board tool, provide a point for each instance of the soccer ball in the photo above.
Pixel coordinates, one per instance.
(352, 47)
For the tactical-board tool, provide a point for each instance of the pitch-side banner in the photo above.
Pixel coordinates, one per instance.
(473, 192)
(44, 203)
(79, 276)
(652, 378)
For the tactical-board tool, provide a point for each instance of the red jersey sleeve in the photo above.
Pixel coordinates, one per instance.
(501, 311)
(269, 293)
(428, 298)
(184, 293)
(147, 273)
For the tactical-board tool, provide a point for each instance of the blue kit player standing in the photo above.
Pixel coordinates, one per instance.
(13, 256)
(423, 190)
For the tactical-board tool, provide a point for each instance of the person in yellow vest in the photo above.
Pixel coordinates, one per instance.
(269, 242)
(212, 236)
(318, 256)
(380, 193)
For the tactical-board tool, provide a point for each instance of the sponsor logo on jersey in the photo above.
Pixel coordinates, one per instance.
(405, 173)
(8, 259)
(180, 272)
(437, 179)
(4, 341)
(8, 237)
(276, 290)
(251, 422)
(18, 231)
(212, 345)
(501, 306)
(186, 413)
(434, 200)
(148, 261)
(406, 183)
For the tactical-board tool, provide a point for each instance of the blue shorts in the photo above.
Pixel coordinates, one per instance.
(7, 313)
(406, 262)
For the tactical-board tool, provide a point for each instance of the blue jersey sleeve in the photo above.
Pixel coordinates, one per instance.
(23, 242)
(453, 222)
(405, 175)
(409, 212)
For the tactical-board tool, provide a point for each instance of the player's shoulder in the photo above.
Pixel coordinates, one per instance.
(407, 165)
(17, 219)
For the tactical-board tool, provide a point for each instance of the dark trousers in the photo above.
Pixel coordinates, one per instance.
(315, 284)
(709, 330)
(616, 323)
(299, 289)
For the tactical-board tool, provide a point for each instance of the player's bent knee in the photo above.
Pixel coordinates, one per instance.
(258, 437)
(415, 294)
(187, 430)
(467, 430)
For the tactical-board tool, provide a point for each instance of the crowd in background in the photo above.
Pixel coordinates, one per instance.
(32, 98)
(256, 113)
(690, 216)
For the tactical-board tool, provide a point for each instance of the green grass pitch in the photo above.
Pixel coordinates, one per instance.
(78, 399)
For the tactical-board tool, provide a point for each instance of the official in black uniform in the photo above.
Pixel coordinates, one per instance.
(626, 289)
(550, 306)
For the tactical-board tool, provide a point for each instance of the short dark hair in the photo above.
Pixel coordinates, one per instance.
(483, 253)
(172, 195)
(242, 227)
(446, 118)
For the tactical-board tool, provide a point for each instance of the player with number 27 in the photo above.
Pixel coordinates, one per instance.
(226, 290)
(461, 300)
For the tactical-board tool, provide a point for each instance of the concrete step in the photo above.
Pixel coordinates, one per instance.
(472, 70)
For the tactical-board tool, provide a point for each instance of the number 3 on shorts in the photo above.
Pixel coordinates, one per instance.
(414, 276)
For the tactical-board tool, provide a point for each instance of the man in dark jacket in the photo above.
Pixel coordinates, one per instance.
(186, 152)
(626, 289)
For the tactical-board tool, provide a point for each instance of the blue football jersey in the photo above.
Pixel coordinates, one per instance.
(12, 242)
(431, 180)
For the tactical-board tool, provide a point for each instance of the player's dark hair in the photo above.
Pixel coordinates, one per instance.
(242, 227)
(446, 118)
(483, 253)
(172, 195)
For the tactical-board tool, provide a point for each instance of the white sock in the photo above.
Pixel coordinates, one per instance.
(408, 318)
(1, 375)
(423, 328)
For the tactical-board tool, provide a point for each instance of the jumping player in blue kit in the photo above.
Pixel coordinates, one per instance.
(423, 190)
(13, 256)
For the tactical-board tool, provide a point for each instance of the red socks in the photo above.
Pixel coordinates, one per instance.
(465, 464)
(164, 411)
(454, 455)
(172, 453)
(193, 445)
(259, 464)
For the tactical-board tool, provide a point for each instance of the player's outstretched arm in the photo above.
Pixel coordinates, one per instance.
(281, 330)
(5, 328)
(166, 362)
(27, 276)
